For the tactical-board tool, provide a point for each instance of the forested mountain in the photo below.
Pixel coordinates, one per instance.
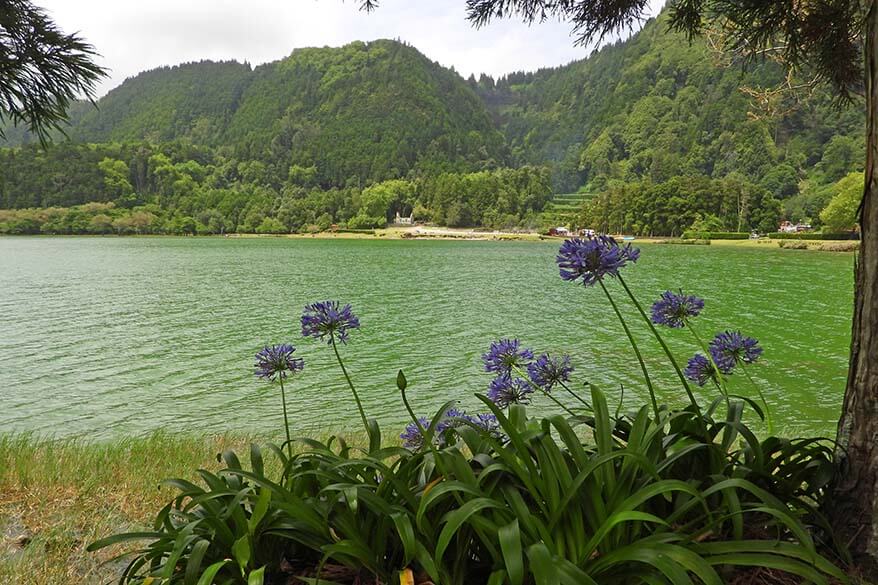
(654, 131)
(364, 112)
(641, 112)
(194, 101)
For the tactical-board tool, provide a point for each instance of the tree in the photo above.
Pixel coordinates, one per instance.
(837, 41)
(41, 69)
(841, 213)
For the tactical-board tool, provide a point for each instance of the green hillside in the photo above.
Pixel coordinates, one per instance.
(644, 112)
(363, 112)
(654, 131)
(194, 101)
(367, 111)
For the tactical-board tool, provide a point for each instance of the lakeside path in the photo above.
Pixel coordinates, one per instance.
(412, 233)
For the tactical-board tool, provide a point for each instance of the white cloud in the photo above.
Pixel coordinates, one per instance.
(133, 37)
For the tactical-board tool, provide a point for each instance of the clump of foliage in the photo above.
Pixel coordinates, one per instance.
(841, 212)
(663, 494)
(194, 190)
(43, 69)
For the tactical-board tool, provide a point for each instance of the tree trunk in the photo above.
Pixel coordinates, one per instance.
(854, 502)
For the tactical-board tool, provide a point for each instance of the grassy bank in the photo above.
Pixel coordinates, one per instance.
(58, 496)
(765, 244)
(440, 233)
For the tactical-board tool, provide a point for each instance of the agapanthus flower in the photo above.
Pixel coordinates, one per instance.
(593, 258)
(453, 417)
(504, 354)
(673, 309)
(506, 390)
(734, 347)
(700, 370)
(547, 371)
(277, 361)
(412, 438)
(486, 421)
(328, 319)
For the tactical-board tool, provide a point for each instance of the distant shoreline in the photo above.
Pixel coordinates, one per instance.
(435, 233)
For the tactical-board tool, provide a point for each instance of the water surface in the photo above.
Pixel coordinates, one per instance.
(108, 337)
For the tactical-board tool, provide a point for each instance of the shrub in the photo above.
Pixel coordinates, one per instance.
(715, 235)
(270, 225)
(685, 242)
(839, 247)
(354, 231)
(362, 222)
(793, 244)
(586, 496)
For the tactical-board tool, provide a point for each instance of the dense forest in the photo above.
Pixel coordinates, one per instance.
(654, 132)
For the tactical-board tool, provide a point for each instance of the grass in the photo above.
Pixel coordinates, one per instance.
(58, 496)
(767, 244)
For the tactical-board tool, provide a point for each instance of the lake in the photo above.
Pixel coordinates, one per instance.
(110, 337)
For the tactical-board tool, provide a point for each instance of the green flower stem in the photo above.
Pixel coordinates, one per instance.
(636, 349)
(283, 398)
(761, 397)
(351, 384)
(417, 422)
(662, 343)
(543, 390)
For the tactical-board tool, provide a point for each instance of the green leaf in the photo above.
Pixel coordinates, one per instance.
(117, 538)
(456, 518)
(260, 509)
(510, 545)
(193, 566)
(256, 577)
(256, 461)
(209, 573)
(542, 565)
(241, 552)
(406, 535)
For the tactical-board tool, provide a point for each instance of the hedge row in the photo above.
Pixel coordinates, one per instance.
(353, 231)
(813, 236)
(716, 235)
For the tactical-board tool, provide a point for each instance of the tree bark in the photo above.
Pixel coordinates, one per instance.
(854, 502)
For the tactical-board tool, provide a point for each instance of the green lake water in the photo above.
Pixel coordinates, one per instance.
(110, 337)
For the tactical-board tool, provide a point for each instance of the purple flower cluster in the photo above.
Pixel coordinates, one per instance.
(727, 350)
(700, 370)
(732, 347)
(672, 310)
(505, 390)
(453, 418)
(276, 361)
(505, 354)
(548, 371)
(412, 437)
(328, 319)
(593, 258)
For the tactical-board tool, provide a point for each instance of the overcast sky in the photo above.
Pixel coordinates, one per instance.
(136, 36)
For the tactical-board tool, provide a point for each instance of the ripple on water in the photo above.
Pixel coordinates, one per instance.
(108, 337)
